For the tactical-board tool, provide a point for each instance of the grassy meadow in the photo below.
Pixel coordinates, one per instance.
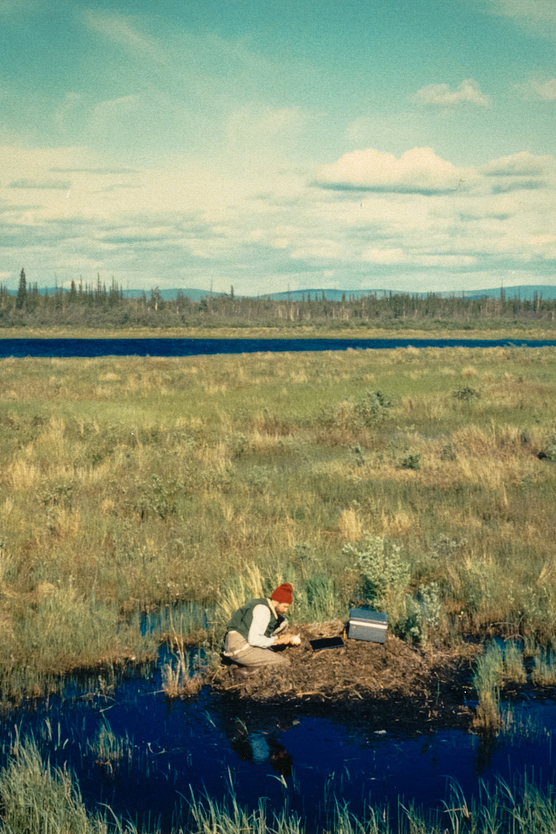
(422, 481)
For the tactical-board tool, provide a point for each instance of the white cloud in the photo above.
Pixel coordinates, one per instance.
(523, 164)
(375, 216)
(111, 112)
(417, 171)
(253, 124)
(544, 90)
(122, 31)
(385, 256)
(319, 249)
(538, 15)
(547, 90)
(58, 185)
(440, 95)
(393, 257)
(519, 172)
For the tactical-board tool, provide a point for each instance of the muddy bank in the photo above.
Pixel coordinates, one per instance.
(391, 684)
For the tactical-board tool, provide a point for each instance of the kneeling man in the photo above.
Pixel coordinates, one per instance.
(257, 627)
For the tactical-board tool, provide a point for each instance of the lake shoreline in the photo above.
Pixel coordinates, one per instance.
(301, 332)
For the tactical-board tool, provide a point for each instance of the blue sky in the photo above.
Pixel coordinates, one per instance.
(279, 144)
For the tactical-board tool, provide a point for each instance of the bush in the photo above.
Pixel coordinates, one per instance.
(466, 393)
(549, 452)
(357, 413)
(370, 407)
(423, 614)
(384, 574)
(411, 461)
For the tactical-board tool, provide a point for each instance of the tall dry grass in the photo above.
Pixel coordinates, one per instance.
(131, 483)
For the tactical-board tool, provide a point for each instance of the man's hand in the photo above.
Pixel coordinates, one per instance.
(288, 640)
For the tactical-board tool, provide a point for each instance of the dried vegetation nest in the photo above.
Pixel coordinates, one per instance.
(406, 684)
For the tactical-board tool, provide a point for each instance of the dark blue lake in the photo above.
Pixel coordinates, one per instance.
(173, 751)
(198, 347)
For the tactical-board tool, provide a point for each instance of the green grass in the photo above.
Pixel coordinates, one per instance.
(489, 669)
(38, 798)
(544, 669)
(514, 669)
(129, 484)
(109, 750)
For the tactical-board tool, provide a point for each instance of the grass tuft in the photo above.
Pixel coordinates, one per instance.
(179, 680)
(489, 668)
(544, 669)
(38, 798)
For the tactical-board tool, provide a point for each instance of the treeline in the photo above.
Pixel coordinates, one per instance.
(100, 305)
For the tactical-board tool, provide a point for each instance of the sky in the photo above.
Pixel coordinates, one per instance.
(274, 145)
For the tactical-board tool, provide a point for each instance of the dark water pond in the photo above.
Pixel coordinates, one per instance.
(196, 347)
(176, 750)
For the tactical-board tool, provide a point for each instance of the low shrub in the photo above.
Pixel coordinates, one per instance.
(384, 574)
(466, 394)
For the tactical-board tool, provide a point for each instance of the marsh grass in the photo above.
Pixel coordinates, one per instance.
(180, 678)
(514, 668)
(131, 484)
(38, 798)
(544, 668)
(180, 625)
(487, 679)
(499, 666)
(73, 630)
(229, 817)
(111, 751)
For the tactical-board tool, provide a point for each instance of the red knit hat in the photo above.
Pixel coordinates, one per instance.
(283, 593)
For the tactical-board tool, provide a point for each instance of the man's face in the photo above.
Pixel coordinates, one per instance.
(281, 608)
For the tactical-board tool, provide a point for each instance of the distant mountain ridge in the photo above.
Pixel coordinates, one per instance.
(523, 292)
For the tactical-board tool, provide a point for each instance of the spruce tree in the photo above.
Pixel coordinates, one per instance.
(21, 296)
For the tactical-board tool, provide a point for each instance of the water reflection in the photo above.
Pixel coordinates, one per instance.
(260, 746)
(487, 743)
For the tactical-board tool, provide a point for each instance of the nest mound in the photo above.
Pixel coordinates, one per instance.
(395, 682)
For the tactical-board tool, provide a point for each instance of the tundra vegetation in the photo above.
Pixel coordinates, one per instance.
(421, 482)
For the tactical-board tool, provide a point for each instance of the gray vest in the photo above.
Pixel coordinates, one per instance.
(243, 617)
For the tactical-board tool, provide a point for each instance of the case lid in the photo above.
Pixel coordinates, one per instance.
(367, 614)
